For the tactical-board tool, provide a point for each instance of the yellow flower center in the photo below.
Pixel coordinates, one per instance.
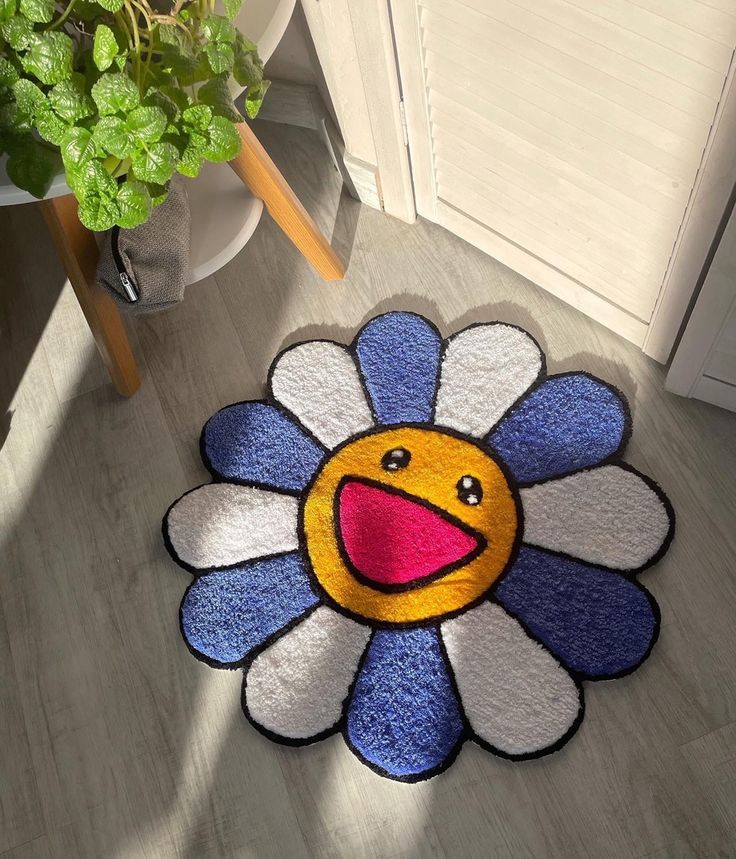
(409, 524)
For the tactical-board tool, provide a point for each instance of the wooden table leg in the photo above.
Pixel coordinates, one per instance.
(261, 175)
(78, 251)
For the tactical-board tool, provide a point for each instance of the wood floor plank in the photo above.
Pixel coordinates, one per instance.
(61, 842)
(197, 364)
(21, 819)
(68, 334)
(36, 301)
(31, 278)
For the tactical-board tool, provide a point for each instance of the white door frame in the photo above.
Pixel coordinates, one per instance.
(354, 43)
(701, 225)
(713, 310)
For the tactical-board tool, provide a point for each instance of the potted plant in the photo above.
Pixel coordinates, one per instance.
(122, 94)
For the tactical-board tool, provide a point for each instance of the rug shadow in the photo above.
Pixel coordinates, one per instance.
(609, 370)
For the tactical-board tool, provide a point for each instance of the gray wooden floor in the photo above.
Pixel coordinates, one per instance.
(115, 742)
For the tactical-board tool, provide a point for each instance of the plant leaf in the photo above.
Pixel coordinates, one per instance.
(248, 68)
(17, 32)
(31, 169)
(217, 28)
(95, 179)
(223, 140)
(156, 163)
(70, 100)
(134, 204)
(87, 10)
(105, 47)
(115, 92)
(39, 11)
(216, 94)
(13, 139)
(50, 57)
(193, 155)
(28, 97)
(13, 123)
(254, 98)
(158, 98)
(169, 34)
(191, 163)
(220, 57)
(247, 45)
(111, 5)
(159, 76)
(112, 134)
(158, 193)
(98, 212)
(50, 127)
(177, 95)
(188, 69)
(7, 10)
(8, 73)
(198, 116)
(232, 7)
(77, 148)
(147, 123)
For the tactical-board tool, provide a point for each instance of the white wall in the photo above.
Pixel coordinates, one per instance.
(294, 59)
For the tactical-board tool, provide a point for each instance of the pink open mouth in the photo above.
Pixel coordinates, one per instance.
(397, 541)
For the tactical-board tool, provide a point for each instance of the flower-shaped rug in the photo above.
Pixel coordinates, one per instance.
(417, 542)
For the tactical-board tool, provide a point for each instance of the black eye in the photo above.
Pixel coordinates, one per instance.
(469, 490)
(395, 459)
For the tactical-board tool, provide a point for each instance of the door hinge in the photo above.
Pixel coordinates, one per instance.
(405, 130)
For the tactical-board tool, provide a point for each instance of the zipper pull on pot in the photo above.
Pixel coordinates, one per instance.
(130, 290)
(130, 287)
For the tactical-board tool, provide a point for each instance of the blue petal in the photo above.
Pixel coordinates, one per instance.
(404, 718)
(225, 615)
(568, 422)
(597, 622)
(256, 443)
(399, 355)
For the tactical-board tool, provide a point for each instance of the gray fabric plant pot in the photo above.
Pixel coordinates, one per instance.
(146, 269)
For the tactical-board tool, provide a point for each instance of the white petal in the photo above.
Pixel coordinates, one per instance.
(516, 696)
(297, 686)
(485, 369)
(318, 381)
(222, 524)
(607, 515)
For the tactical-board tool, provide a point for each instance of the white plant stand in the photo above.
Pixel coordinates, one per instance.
(226, 206)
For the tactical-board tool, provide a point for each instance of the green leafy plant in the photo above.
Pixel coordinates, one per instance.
(122, 94)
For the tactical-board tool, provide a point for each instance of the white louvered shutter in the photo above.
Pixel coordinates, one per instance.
(564, 136)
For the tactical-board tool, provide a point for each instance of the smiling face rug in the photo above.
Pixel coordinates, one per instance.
(416, 542)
